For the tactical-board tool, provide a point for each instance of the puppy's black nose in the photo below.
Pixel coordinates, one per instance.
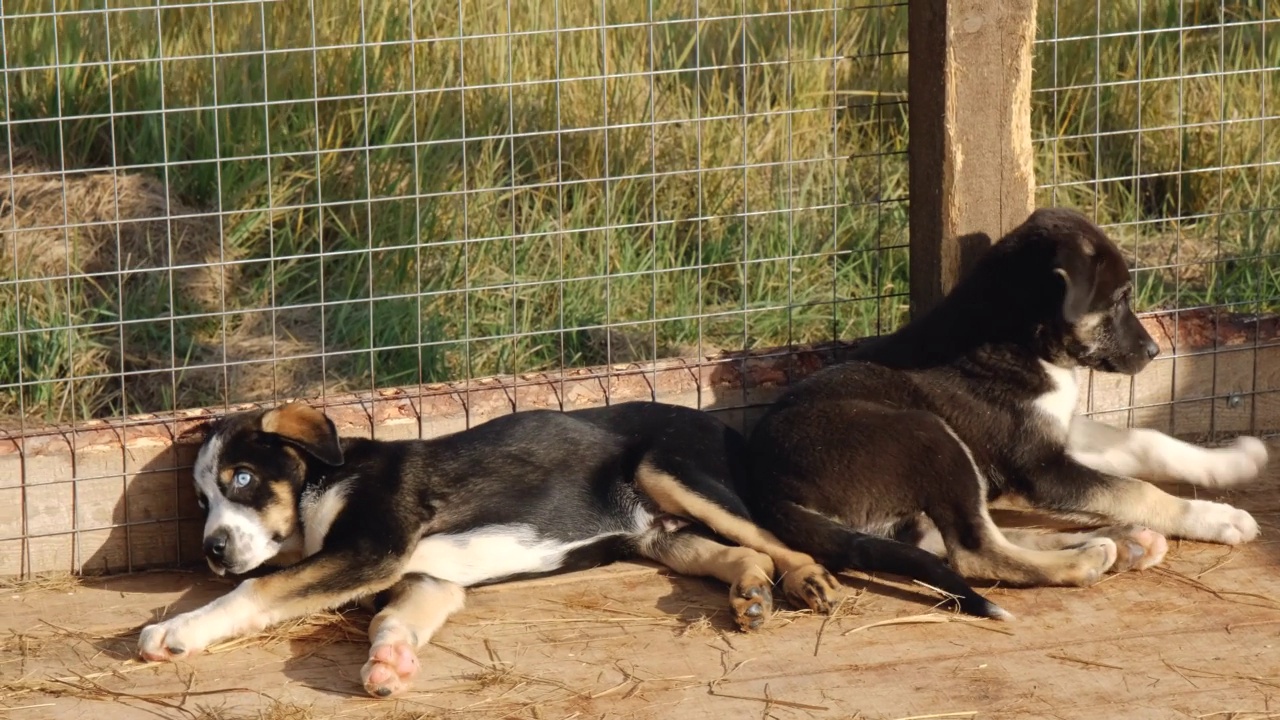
(1152, 349)
(215, 546)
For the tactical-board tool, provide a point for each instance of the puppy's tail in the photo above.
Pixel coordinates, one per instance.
(841, 548)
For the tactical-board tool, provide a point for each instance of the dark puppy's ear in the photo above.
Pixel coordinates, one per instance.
(306, 428)
(1076, 297)
(1078, 272)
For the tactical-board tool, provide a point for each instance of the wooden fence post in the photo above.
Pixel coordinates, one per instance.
(969, 85)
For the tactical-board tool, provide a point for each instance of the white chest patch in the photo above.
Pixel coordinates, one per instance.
(1060, 402)
(319, 510)
(489, 553)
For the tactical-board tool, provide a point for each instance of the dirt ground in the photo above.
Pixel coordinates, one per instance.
(1198, 637)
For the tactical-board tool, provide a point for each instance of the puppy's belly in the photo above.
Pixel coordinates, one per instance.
(491, 553)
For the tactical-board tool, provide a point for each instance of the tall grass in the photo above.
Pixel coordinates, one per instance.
(1164, 133)
(443, 208)
(445, 190)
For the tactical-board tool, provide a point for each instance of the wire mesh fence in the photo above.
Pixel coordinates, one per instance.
(204, 204)
(1159, 118)
(210, 203)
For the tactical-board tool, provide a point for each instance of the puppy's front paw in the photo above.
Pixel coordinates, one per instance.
(1218, 522)
(1254, 452)
(168, 640)
(1241, 461)
(813, 587)
(752, 601)
(390, 669)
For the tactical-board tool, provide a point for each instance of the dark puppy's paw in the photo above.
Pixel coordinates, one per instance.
(813, 587)
(1092, 559)
(1137, 547)
(752, 601)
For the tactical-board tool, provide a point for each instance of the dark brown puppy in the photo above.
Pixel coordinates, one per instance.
(975, 401)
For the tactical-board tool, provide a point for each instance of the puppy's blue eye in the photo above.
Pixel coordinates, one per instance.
(242, 479)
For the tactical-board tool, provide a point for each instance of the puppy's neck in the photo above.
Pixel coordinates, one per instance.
(319, 476)
(959, 330)
(290, 551)
(994, 312)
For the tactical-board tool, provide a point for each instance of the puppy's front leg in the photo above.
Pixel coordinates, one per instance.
(319, 582)
(418, 606)
(1073, 489)
(1152, 455)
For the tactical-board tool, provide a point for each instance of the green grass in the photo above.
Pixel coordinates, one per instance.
(1181, 159)
(468, 228)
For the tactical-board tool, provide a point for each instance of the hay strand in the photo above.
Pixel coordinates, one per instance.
(1082, 661)
(1227, 595)
(925, 619)
(46, 582)
(711, 690)
(324, 628)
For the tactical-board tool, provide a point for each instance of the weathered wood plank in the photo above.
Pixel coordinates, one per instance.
(971, 160)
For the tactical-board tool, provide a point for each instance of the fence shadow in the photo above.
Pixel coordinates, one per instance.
(155, 538)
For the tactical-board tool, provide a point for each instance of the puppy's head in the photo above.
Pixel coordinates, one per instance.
(249, 473)
(1089, 318)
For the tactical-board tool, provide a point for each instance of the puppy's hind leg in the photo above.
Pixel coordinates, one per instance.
(416, 608)
(1137, 547)
(980, 549)
(804, 581)
(748, 573)
(842, 548)
(977, 548)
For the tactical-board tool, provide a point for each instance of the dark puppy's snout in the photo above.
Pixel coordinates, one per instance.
(1152, 349)
(215, 546)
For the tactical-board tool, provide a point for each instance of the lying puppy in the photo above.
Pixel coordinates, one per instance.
(416, 522)
(976, 401)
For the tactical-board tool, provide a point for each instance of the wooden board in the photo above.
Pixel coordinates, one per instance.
(971, 160)
(1198, 637)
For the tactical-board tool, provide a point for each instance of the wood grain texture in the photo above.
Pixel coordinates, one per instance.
(1193, 638)
(971, 160)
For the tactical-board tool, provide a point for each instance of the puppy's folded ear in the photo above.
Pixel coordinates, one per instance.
(1076, 297)
(1078, 272)
(306, 428)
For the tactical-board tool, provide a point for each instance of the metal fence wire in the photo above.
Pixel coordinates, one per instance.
(204, 204)
(210, 203)
(1159, 119)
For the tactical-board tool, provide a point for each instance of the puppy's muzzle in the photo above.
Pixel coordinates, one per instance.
(215, 547)
(1151, 348)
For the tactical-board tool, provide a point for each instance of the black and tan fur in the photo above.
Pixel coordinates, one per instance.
(975, 402)
(414, 523)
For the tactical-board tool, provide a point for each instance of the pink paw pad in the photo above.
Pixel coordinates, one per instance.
(389, 669)
(1140, 548)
